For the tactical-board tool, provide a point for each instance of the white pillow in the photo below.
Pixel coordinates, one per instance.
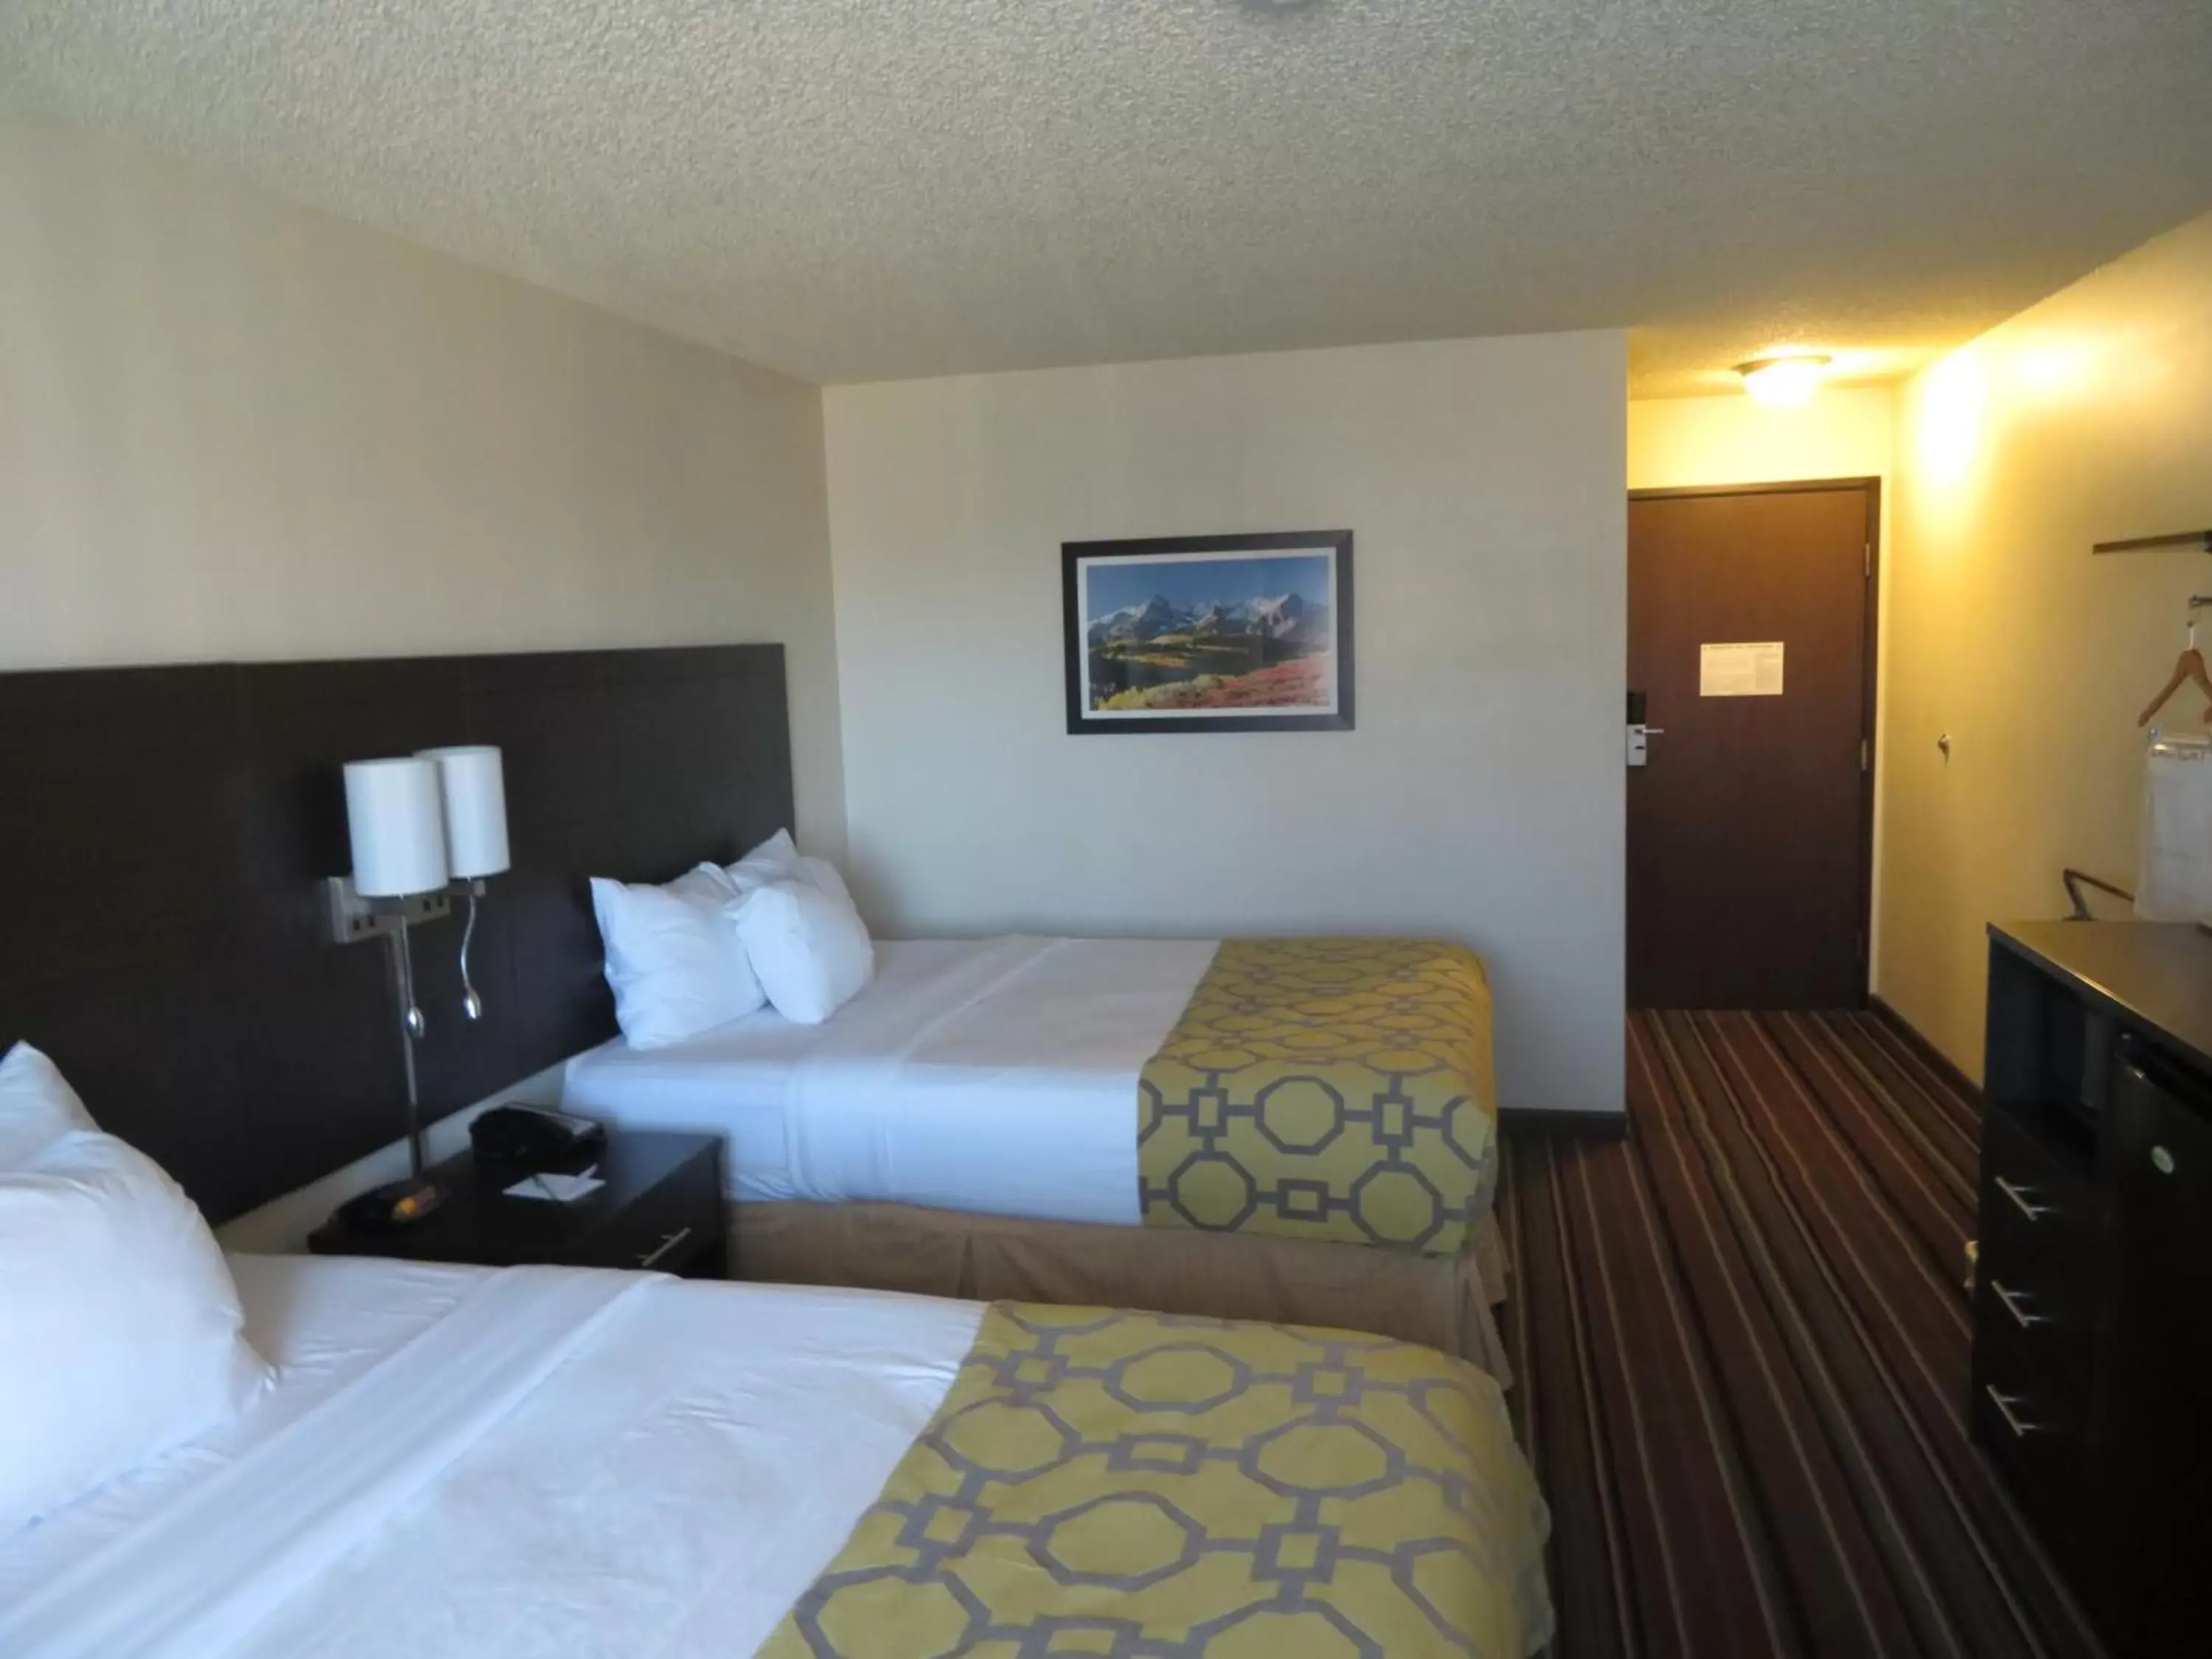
(822, 874)
(777, 859)
(673, 960)
(37, 1106)
(774, 859)
(119, 1326)
(810, 949)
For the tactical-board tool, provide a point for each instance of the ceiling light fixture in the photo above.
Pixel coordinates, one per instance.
(1784, 382)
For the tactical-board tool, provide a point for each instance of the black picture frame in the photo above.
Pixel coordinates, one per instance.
(1078, 559)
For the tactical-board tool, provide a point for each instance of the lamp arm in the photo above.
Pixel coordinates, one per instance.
(471, 1004)
(412, 1026)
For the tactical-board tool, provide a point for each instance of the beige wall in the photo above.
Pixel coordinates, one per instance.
(2085, 419)
(233, 428)
(1481, 796)
(1845, 432)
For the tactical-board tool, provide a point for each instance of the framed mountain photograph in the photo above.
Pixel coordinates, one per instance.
(1209, 632)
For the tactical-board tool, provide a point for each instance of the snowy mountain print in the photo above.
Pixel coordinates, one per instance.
(1194, 635)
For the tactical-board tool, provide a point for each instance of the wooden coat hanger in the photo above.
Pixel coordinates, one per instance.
(2188, 669)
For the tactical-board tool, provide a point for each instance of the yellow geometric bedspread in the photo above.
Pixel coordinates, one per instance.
(1337, 1089)
(1143, 1485)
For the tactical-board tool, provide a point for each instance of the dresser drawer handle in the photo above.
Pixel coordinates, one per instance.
(664, 1246)
(2023, 1200)
(2012, 1299)
(2005, 1403)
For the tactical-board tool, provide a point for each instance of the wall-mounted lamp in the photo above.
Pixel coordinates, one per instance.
(421, 827)
(1784, 382)
(474, 786)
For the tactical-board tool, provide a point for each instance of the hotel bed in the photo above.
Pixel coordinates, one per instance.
(1195, 1126)
(556, 1462)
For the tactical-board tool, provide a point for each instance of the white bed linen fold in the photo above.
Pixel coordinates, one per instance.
(320, 1329)
(996, 1076)
(550, 1464)
(173, 1586)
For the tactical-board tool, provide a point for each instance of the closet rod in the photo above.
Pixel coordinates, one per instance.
(2075, 880)
(2199, 539)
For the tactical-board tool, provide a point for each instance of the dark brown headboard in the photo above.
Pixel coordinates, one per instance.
(163, 830)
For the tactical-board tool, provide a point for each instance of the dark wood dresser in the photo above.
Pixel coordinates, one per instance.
(2092, 1301)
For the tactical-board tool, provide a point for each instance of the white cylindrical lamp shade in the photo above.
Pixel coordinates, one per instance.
(398, 826)
(475, 788)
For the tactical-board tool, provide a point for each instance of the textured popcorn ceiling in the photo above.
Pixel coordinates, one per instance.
(853, 191)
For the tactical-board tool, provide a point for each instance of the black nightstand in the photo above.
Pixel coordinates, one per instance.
(661, 1208)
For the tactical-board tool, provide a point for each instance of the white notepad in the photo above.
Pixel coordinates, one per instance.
(558, 1189)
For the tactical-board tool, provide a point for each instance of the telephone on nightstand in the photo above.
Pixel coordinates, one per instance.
(514, 1140)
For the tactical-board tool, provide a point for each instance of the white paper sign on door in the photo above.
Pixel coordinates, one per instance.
(1752, 669)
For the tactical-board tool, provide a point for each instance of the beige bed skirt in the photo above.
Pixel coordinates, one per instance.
(1439, 1301)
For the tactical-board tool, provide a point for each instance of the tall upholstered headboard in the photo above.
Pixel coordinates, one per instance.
(162, 834)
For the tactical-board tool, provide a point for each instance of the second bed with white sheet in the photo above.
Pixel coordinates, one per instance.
(969, 1126)
(997, 1076)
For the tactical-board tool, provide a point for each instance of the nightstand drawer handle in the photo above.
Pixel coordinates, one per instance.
(2005, 1403)
(2012, 1299)
(2023, 1200)
(664, 1246)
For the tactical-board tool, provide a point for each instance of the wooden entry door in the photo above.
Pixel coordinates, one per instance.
(1750, 824)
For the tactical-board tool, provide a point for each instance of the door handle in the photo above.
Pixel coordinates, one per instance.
(2005, 1403)
(1654, 731)
(666, 1244)
(2023, 1198)
(2012, 1301)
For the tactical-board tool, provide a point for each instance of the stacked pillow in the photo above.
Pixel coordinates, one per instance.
(120, 1329)
(716, 944)
(674, 961)
(801, 931)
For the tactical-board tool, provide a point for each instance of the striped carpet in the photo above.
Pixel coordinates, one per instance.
(1743, 1340)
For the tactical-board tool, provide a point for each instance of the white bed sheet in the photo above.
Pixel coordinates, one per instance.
(569, 1464)
(995, 1076)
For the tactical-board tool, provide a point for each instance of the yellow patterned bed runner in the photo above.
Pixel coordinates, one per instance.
(1326, 1088)
(1149, 1487)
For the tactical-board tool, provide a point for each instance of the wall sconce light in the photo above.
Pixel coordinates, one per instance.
(422, 828)
(1784, 382)
(474, 787)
